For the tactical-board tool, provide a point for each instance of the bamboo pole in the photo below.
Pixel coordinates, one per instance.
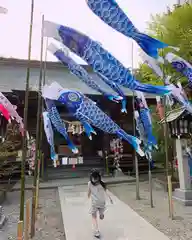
(134, 133)
(42, 109)
(34, 189)
(20, 230)
(24, 143)
(166, 152)
(166, 137)
(150, 185)
(42, 167)
(38, 178)
(170, 196)
(27, 219)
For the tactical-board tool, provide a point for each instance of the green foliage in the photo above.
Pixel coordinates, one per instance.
(146, 75)
(174, 28)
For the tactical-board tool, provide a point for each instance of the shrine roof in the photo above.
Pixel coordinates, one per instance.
(174, 114)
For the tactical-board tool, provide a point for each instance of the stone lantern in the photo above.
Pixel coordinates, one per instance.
(180, 128)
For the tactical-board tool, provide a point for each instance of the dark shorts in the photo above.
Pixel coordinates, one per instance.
(94, 210)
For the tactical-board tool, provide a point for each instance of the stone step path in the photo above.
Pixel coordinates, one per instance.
(120, 223)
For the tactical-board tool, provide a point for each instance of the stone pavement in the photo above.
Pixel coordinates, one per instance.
(120, 223)
(49, 225)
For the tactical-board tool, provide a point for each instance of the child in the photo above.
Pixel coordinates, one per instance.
(97, 192)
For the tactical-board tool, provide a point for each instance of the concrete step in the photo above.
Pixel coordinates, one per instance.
(59, 173)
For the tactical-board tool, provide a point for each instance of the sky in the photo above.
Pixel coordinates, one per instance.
(74, 13)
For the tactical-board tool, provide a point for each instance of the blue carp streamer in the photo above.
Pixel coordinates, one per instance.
(79, 71)
(145, 118)
(99, 59)
(180, 65)
(58, 123)
(49, 135)
(110, 12)
(86, 111)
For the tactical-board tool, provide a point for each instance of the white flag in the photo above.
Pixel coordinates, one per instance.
(152, 63)
(3, 10)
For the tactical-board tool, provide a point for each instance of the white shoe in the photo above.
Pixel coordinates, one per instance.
(97, 234)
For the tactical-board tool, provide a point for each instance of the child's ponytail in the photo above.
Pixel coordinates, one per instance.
(103, 184)
(96, 175)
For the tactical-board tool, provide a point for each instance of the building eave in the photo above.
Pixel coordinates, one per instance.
(35, 64)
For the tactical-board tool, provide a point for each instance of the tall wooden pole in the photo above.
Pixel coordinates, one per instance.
(37, 155)
(45, 62)
(150, 184)
(166, 152)
(42, 109)
(166, 137)
(24, 144)
(134, 132)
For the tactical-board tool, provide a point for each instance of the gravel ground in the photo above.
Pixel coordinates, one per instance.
(178, 229)
(49, 223)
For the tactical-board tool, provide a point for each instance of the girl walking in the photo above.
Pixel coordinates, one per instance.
(97, 191)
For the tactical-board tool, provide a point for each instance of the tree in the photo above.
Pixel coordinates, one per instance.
(174, 28)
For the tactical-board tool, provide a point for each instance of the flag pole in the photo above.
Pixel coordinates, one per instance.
(24, 143)
(41, 154)
(44, 81)
(37, 153)
(166, 137)
(150, 183)
(134, 131)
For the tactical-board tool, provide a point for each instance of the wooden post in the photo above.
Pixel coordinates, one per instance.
(150, 185)
(107, 163)
(42, 166)
(27, 219)
(20, 230)
(134, 133)
(170, 196)
(37, 186)
(42, 109)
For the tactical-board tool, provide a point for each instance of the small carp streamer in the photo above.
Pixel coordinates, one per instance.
(144, 126)
(58, 123)
(145, 118)
(49, 134)
(180, 65)
(141, 132)
(177, 93)
(5, 113)
(87, 112)
(11, 109)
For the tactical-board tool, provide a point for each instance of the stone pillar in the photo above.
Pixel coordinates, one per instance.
(2, 218)
(184, 193)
